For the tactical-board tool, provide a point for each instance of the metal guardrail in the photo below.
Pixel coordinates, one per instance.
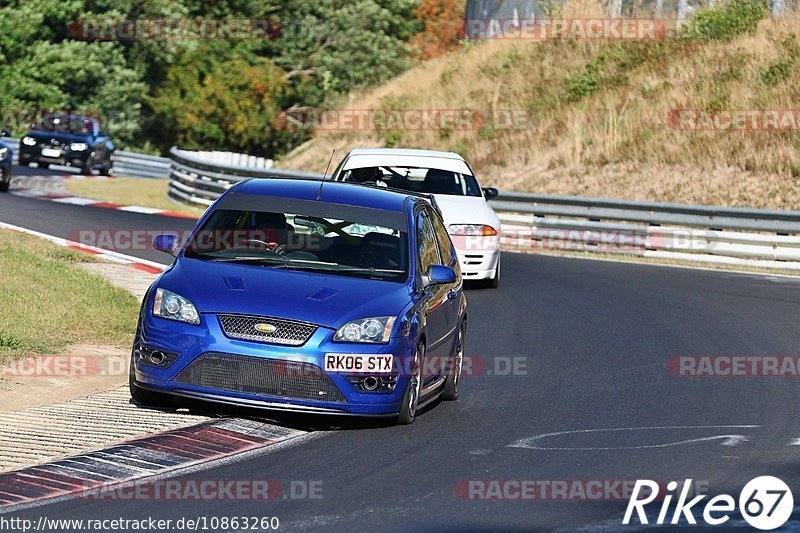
(720, 235)
(724, 235)
(125, 163)
(708, 234)
(651, 213)
(235, 159)
(198, 181)
(141, 165)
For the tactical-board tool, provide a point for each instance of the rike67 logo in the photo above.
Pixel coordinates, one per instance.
(765, 503)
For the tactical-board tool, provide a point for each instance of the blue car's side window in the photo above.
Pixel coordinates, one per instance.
(426, 242)
(445, 245)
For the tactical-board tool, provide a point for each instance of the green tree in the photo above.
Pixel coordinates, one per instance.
(330, 47)
(233, 104)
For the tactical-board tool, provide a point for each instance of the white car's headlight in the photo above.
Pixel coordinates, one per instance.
(78, 147)
(29, 141)
(471, 230)
(175, 307)
(376, 330)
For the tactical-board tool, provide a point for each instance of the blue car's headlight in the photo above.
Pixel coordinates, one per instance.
(174, 307)
(78, 147)
(375, 330)
(3, 153)
(29, 141)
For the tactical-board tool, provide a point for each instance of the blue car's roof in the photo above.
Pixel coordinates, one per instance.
(332, 192)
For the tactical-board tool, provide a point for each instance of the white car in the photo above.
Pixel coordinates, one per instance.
(473, 226)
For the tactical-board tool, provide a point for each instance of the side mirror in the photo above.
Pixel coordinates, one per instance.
(440, 274)
(491, 193)
(166, 243)
(5, 133)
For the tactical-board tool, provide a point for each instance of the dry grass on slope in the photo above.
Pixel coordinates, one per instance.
(600, 113)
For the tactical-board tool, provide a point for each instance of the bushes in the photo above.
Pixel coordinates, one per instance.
(444, 27)
(781, 69)
(726, 22)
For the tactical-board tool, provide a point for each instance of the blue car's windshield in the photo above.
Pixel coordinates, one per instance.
(302, 242)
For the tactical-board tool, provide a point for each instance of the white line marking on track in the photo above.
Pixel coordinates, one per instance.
(533, 443)
(106, 254)
(140, 209)
(74, 200)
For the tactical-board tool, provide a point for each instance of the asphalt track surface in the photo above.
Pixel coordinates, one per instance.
(595, 338)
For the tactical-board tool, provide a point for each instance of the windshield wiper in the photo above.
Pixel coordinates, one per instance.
(306, 264)
(283, 262)
(370, 270)
(275, 260)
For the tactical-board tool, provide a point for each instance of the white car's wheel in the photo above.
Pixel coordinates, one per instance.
(494, 282)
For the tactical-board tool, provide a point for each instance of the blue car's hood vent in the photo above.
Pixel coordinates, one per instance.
(235, 284)
(323, 294)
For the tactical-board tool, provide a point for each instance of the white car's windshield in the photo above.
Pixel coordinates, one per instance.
(416, 179)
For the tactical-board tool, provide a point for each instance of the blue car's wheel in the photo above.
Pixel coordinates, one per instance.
(408, 411)
(454, 375)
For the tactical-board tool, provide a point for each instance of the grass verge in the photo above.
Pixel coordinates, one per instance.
(48, 303)
(131, 191)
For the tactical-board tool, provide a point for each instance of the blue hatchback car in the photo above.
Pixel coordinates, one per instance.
(307, 296)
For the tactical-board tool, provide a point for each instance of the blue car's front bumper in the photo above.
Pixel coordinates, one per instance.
(186, 343)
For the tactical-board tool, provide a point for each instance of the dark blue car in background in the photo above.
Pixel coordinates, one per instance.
(68, 140)
(5, 162)
(309, 296)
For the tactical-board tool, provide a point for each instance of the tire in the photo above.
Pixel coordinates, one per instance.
(44, 165)
(454, 374)
(24, 163)
(86, 169)
(408, 411)
(5, 180)
(107, 170)
(146, 397)
(494, 282)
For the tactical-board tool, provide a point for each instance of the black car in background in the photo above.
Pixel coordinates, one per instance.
(68, 140)
(5, 163)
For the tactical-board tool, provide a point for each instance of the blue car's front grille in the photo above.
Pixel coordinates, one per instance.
(264, 329)
(261, 377)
